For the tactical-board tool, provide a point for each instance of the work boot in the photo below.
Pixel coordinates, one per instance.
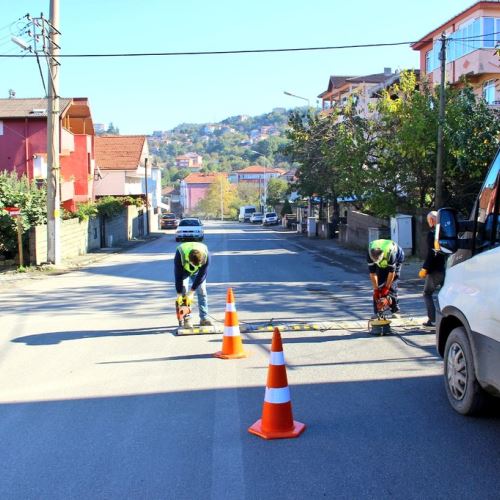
(205, 322)
(187, 323)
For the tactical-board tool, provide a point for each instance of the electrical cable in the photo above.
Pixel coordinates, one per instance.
(229, 52)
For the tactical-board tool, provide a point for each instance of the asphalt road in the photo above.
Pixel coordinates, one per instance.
(99, 399)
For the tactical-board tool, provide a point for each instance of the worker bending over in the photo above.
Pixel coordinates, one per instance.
(385, 258)
(191, 266)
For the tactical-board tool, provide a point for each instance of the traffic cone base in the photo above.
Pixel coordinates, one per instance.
(297, 429)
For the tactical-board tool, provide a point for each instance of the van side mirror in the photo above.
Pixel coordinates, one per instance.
(445, 239)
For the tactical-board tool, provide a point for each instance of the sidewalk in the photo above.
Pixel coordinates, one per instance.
(71, 264)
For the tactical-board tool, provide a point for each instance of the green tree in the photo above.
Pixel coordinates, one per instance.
(112, 129)
(472, 132)
(220, 199)
(276, 191)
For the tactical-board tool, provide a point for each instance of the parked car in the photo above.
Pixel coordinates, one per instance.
(468, 317)
(246, 212)
(270, 219)
(168, 221)
(256, 217)
(190, 229)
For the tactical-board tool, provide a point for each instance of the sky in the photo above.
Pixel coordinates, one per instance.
(142, 94)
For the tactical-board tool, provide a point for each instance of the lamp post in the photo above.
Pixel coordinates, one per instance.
(298, 97)
(264, 201)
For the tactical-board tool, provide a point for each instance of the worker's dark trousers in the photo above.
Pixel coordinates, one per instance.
(393, 291)
(432, 281)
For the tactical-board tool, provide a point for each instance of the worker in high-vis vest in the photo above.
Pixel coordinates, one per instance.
(191, 265)
(385, 258)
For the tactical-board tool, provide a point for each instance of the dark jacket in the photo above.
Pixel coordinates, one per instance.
(435, 261)
(181, 274)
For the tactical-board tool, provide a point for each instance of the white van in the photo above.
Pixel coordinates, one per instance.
(468, 319)
(246, 212)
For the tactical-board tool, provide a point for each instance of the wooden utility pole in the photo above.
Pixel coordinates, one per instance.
(440, 142)
(146, 189)
(53, 167)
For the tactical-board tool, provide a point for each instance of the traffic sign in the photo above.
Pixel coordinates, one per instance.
(13, 211)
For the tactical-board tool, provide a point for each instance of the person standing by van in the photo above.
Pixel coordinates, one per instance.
(432, 271)
(385, 258)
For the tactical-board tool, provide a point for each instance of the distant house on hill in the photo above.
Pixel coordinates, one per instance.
(192, 161)
(194, 188)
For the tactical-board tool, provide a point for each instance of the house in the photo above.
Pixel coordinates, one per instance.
(189, 160)
(194, 187)
(360, 88)
(123, 169)
(471, 38)
(257, 174)
(23, 144)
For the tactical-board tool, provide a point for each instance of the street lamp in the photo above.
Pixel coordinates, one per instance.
(298, 97)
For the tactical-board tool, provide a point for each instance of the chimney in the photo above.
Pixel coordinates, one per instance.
(387, 71)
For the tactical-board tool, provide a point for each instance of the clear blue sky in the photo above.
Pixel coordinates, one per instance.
(140, 95)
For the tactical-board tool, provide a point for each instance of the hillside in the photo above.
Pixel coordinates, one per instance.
(229, 145)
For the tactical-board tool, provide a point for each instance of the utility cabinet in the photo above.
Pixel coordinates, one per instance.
(401, 232)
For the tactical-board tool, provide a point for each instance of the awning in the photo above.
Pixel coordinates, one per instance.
(162, 205)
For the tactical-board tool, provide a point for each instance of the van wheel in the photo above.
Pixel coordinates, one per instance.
(464, 393)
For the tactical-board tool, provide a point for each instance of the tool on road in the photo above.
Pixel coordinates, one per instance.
(277, 419)
(381, 325)
(182, 309)
(232, 346)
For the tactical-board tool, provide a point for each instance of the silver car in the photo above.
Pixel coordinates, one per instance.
(270, 218)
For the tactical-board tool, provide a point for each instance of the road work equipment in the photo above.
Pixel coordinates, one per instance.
(232, 346)
(381, 325)
(277, 419)
(182, 309)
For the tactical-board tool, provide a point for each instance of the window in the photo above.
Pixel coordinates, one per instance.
(489, 91)
(1, 127)
(488, 32)
(428, 68)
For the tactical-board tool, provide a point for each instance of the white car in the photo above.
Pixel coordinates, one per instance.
(468, 318)
(270, 218)
(256, 217)
(190, 229)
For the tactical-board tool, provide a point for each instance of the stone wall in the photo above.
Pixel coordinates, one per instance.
(355, 233)
(74, 240)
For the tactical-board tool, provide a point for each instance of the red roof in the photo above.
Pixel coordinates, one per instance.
(197, 178)
(258, 169)
(119, 152)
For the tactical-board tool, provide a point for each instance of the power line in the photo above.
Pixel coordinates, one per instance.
(228, 52)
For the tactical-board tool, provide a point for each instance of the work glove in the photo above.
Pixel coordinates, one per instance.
(189, 298)
(179, 300)
(376, 294)
(384, 292)
(422, 273)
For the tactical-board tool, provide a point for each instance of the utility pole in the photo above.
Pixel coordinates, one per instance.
(146, 189)
(53, 123)
(440, 142)
(221, 201)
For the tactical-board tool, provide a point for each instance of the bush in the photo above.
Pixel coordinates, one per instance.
(30, 197)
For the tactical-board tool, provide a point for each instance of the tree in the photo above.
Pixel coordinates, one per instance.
(276, 191)
(219, 200)
(247, 193)
(471, 134)
(112, 129)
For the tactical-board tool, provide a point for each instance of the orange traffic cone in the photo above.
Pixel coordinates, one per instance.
(232, 346)
(277, 419)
